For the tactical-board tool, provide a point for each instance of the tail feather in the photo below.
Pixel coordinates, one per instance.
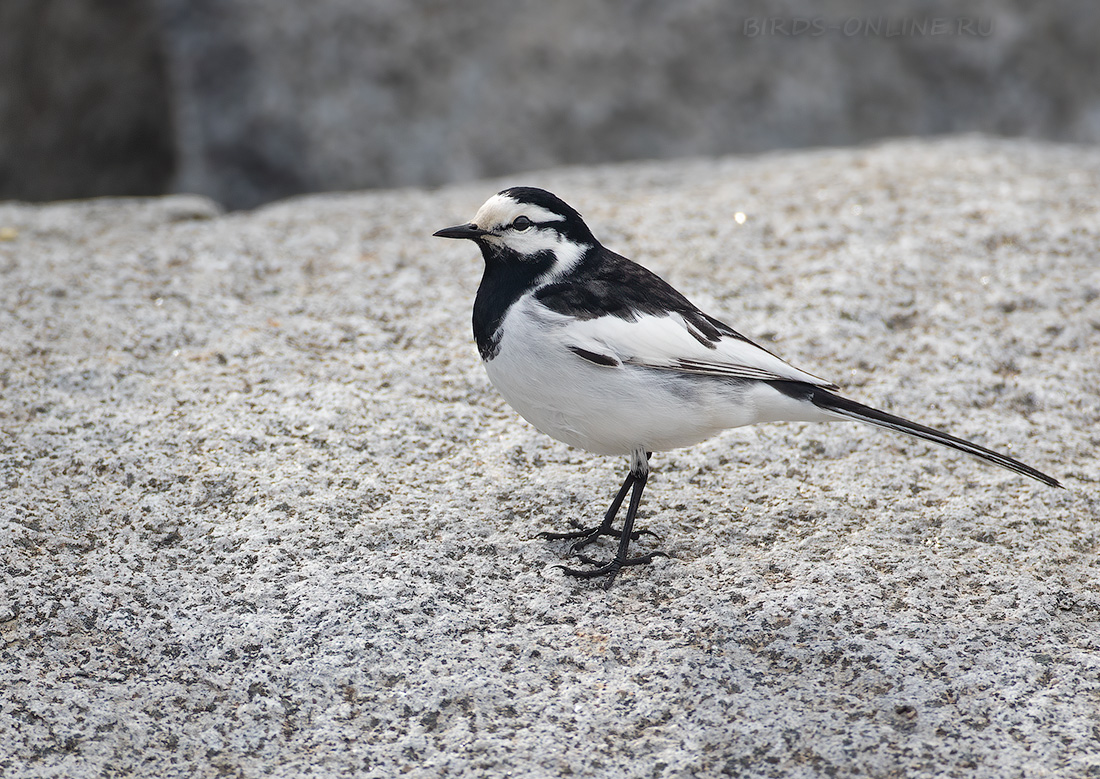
(836, 404)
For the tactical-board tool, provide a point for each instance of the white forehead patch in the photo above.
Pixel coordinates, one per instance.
(500, 210)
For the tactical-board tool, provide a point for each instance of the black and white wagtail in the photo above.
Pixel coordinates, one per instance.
(600, 353)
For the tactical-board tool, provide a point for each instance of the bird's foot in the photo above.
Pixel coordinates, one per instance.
(583, 536)
(610, 569)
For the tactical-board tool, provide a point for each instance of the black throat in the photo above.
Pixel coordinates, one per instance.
(508, 275)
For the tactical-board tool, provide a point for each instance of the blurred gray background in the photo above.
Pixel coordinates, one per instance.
(248, 101)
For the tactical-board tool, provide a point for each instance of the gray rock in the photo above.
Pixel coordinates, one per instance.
(85, 108)
(262, 514)
(275, 98)
(247, 102)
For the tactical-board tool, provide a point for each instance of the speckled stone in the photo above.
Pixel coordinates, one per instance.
(263, 515)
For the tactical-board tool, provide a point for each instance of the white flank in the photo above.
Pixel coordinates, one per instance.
(620, 409)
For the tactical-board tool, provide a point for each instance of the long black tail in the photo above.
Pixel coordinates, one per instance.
(849, 408)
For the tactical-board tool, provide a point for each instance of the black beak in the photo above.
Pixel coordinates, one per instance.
(471, 231)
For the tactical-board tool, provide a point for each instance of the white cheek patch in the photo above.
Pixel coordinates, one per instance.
(534, 241)
(567, 255)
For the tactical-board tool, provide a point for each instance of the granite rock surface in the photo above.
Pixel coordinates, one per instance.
(262, 513)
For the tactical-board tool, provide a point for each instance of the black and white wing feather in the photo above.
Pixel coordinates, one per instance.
(615, 312)
(670, 343)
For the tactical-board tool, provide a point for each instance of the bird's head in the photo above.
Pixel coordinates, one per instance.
(525, 222)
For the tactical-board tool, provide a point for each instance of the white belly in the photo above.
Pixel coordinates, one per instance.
(618, 410)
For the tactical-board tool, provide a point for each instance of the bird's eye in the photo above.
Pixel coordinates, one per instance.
(521, 223)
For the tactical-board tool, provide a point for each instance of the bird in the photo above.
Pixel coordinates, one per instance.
(600, 353)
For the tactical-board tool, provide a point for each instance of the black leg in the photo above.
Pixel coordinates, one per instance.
(639, 474)
(585, 536)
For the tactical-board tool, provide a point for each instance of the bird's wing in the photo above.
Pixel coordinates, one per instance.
(672, 342)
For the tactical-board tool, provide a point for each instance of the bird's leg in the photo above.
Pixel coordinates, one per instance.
(639, 474)
(584, 536)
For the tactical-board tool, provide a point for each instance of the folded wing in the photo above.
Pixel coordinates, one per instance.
(672, 342)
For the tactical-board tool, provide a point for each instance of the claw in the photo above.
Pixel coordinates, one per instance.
(580, 532)
(582, 536)
(610, 569)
